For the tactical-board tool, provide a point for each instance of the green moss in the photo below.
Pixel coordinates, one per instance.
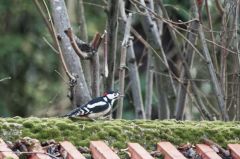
(118, 132)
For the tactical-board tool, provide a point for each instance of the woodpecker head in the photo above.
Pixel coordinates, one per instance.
(112, 95)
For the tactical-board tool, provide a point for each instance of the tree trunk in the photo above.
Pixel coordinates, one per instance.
(188, 57)
(152, 33)
(95, 75)
(112, 28)
(149, 85)
(135, 82)
(61, 22)
(122, 67)
(163, 106)
(216, 84)
(84, 36)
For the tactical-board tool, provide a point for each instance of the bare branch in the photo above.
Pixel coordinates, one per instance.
(81, 54)
(140, 38)
(122, 68)
(149, 85)
(213, 54)
(96, 42)
(50, 45)
(95, 65)
(187, 59)
(216, 84)
(5, 78)
(58, 45)
(80, 92)
(219, 7)
(135, 82)
(236, 30)
(83, 34)
(82, 21)
(44, 16)
(151, 25)
(105, 50)
(112, 29)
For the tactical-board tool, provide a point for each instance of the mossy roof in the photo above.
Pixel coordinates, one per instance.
(118, 132)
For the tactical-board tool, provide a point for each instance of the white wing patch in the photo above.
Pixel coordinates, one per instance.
(86, 109)
(96, 104)
(82, 112)
(105, 98)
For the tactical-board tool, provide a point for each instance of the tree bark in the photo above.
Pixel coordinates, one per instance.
(95, 75)
(214, 57)
(188, 55)
(149, 85)
(122, 67)
(61, 22)
(112, 29)
(135, 82)
(154, 33)
(216, 84)
(84, 36)
(163, 105)
(200, 105)
(160, 62)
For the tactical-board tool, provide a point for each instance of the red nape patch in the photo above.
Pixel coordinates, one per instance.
(105, 93)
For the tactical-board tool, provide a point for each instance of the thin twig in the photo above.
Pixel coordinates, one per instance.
(238, 54)
(61, 76)
(5, 78)
(156, 15)
(82, 55)
(50, 45)
(140, 38)
(176, 26)
(216, 84)
(57, 43)
(46, 20)
(236, 30)
(153, 30)
(96, 5)
(213, 55)
(209, 41)
(112, 29)
(123, 63)
(83, 34)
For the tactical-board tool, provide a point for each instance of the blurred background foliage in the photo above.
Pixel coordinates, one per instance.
(35, 89)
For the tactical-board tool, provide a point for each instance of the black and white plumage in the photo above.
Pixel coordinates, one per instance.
(97, 107)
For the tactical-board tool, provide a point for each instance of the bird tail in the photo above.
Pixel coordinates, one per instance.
(72, 113)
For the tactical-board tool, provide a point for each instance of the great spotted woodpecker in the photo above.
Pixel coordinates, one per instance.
(97, 107)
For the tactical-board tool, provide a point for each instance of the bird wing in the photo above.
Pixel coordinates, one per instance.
(75, 112)
(94, 106)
